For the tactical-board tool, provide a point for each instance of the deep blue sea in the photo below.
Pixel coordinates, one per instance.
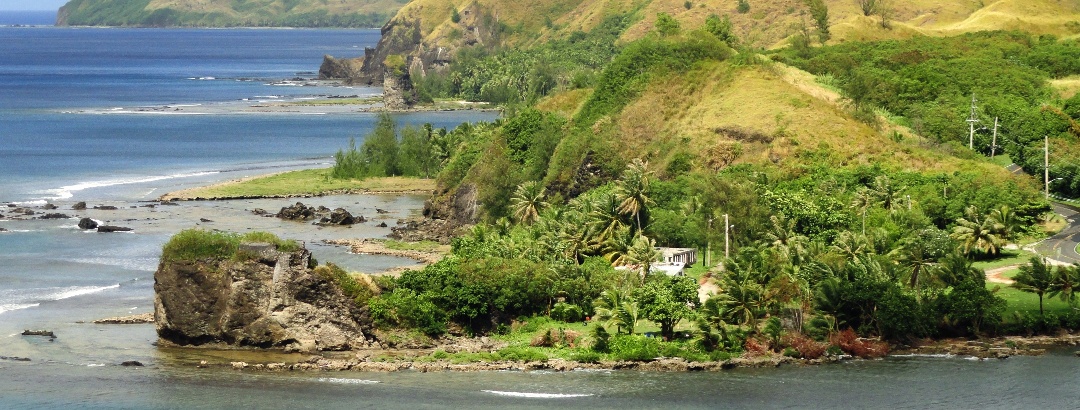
(120, 116)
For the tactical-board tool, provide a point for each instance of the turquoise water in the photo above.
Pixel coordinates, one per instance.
(56, 145)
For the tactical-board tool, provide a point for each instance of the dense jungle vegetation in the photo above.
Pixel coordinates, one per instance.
(822, 252)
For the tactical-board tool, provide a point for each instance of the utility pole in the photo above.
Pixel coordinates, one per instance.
(993, 145)
(1046, 164)
(708, 245)
(908, 202)
(971, 123)
(727, 229)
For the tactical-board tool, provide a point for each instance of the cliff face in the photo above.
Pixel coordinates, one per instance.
(270, 300)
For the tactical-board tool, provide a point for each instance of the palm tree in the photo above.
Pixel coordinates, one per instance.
(1066, 283)
(1007, 220)
(916, 256)
(606, 217)
(1036, 277)
(643, 253)
(956, 268)
(975, 232)
(615, 308)
(886, 193)
(863, 200)
(743, 296)
(528, 202)
(617, 248)
(633, 190)
(783, 238)
(850, 244)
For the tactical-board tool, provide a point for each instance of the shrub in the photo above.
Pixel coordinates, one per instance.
(851, 344)
(406, 308)
(601, 340)
(634, 347)
(585, 356)
(806, 347)
(559, 338)
(744, 7)
(356, 290)
(197, 244)
(522, 354)
(567, 312)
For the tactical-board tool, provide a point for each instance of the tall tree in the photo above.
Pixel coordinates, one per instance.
(615, 308)
(976, 232)
(633, 191)
(1006, 221)
(1036, 277)
(528, 202)
(819, 11)
(666, 300)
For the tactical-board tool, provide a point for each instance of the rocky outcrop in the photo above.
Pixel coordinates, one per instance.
(340, 216)
(87, 223)
(398, 92)
(110, 229)
(301, 212)
(340, 68)
(271, 299)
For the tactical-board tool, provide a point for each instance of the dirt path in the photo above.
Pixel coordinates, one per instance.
(707, 288)
(996, 275)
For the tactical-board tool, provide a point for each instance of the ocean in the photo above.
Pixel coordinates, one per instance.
(117, 117)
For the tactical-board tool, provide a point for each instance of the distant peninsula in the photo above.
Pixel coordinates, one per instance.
(234, 13)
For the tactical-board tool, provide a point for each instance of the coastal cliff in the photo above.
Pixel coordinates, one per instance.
(264, 296)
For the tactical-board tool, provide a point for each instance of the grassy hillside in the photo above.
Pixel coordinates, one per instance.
(245, 13)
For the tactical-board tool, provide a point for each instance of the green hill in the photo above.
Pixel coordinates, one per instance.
(234, 13)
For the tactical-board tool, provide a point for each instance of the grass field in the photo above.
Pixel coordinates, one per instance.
(1025, 302)
(300, 183)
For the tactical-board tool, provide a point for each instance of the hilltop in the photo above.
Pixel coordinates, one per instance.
(237, 13)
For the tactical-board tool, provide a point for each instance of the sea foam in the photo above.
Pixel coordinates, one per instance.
(535, 395)
(66, 192)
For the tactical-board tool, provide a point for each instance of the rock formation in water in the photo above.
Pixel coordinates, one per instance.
(263, 298)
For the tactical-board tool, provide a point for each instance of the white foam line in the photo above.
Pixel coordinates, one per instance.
(66, 192)
(345, 381)
(79, 291)
(535, 395)
(17, 306)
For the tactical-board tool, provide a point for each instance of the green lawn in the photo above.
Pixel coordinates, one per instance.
(303, 182)
(1020, 301)
(1007, 258)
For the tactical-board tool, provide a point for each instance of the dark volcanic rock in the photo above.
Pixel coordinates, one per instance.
(15, 358)
(105, 208)
(297, 212)
(132, 363)
(49, 207)
(204, 220)
(79, 206)
(45, 333)
(110, 228)
(87, 223)
(340, 216)
(54, 216)
(271, 299)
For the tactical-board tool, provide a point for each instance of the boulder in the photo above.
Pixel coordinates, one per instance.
(81, 206)
(340, 216)
(265, 299)
(49, 207)
(297, 212)
(110, 228)
(45, 333)
(132, 363)
(87, 223)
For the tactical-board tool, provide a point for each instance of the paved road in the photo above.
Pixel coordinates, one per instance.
(1062, 247)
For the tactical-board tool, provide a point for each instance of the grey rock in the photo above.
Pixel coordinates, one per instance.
(87, 223)
(132, 363)
(110, 228)
(45, 333)
(271, 300)
(79, 206)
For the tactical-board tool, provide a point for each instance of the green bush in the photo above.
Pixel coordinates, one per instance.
(586, 356)
(358, 292)
(522, 354)
(566, 312)
(634, 347)
(198, 244)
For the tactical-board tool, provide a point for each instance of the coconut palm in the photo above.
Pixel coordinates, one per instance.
(1036, 277)
(606, 218)
(528, 202)
(633, 191)
(643, 253)
(863, 200)
(850, 244)
(1066, 283)
(617, 248)
(1007, 220)
(976, 232)
(615, 308)
(886, 193)
(783, 238)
